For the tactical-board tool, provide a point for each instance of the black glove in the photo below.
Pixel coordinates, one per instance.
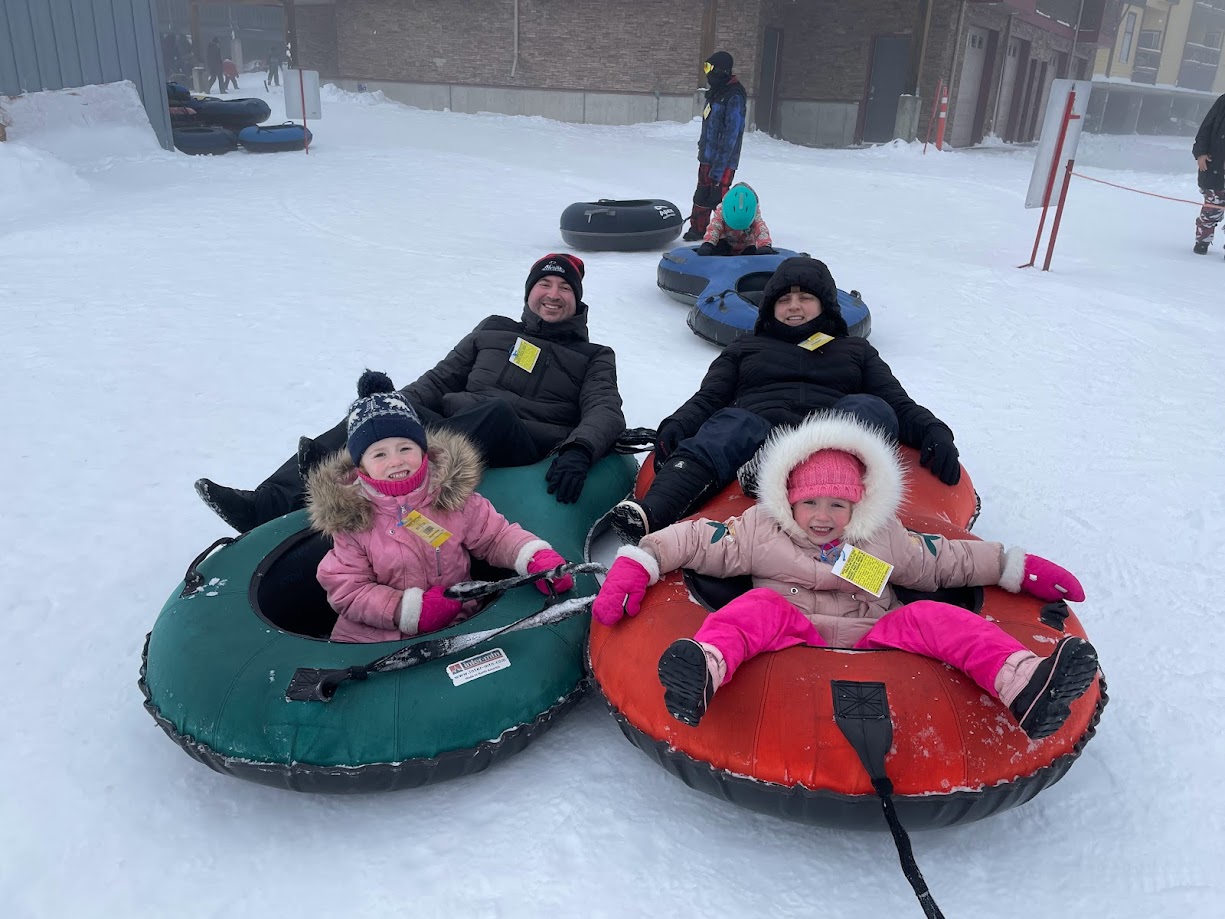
(761, 250)
(706, 249)
(567, 473)
(939, 454)
(667, 439)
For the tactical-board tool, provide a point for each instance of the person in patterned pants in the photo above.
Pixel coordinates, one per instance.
(1209, 153)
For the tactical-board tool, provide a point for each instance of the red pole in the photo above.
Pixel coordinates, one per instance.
(944, 116)
(931, 120)
(1063, 194)
(306, 144)
(1050, 179)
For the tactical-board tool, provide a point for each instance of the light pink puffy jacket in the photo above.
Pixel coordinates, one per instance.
(766, 542)
(377, 571)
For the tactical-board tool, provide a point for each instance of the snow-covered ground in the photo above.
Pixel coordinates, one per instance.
(164, 317)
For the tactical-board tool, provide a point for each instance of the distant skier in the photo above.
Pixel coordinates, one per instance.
(719, 143)
(1209, 153)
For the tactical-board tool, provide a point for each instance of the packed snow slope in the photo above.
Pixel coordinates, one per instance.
(165, 317)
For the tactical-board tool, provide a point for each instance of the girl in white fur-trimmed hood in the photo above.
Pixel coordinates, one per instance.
(827, 486)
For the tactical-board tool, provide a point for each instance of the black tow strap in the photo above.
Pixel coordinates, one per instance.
(862, 713)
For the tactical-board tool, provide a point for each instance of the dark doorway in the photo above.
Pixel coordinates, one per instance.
(886, 82)
(767, 87)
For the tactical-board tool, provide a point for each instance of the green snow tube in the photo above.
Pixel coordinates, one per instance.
(216, 666)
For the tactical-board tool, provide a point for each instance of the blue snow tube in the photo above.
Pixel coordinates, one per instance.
(725, 291)
(204, 139)
(275, 138)
(177, 92)
(231, 113)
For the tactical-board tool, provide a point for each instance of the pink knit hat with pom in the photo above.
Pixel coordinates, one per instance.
(826, 474)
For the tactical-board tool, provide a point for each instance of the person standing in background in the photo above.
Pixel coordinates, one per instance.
(274, 68)
(1209, 153)
(212, 60)
(719, 143)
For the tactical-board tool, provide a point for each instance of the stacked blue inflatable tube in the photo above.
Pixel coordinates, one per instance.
(275, 138)
(725, 292)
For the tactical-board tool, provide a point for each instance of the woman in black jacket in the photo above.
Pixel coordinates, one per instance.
(799, 359)
(519, 390)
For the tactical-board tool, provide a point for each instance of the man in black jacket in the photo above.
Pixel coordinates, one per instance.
(1209, 153)
(799, 359)
(520, 390)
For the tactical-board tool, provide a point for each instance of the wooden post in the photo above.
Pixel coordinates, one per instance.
(291, 33)
(710, 19)
(197, 41)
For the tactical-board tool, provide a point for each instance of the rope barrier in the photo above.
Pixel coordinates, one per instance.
(1151, 194)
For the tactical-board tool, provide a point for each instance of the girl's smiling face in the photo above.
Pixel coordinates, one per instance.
(822, 519)
(392, 458)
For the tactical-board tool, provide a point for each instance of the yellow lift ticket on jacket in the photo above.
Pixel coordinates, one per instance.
(524, 354)
(813, 342)
(427, 529)
(863, 569)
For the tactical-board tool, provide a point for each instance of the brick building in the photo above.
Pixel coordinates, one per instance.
(818, 72)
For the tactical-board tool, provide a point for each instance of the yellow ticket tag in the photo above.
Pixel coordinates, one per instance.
(813, 342)
(863, 570)
(524, 354)
(427, 529)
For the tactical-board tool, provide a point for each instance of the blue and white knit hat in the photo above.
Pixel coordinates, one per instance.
(380, 412)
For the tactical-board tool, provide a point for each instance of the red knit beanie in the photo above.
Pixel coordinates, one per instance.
(826, 474)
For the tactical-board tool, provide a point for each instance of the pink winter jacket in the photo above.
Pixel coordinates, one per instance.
(377, 571)
(765, 541)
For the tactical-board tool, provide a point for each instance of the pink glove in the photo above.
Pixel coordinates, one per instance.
(622, 592)
(543, 560)
(437, 611)
(1048, 581)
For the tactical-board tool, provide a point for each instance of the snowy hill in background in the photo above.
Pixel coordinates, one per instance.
(165, 317)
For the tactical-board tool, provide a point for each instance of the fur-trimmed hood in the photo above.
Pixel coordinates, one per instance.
(338, 501)
(884, 479)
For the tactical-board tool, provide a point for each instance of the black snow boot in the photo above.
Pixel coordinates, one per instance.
(681, 486)
(1043, 705)
(685, 677)
(1201, 247)
(236, 507)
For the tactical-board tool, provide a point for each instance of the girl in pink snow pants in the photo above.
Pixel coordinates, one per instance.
(824, 487)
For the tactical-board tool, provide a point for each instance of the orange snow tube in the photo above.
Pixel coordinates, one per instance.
(770, 741)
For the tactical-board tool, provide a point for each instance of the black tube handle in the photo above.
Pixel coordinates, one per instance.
(194, 580)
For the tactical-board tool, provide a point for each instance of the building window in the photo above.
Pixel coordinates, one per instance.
(1150, 40)
(1129, 34)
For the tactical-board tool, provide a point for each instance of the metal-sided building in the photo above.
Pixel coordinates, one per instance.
(62, 44)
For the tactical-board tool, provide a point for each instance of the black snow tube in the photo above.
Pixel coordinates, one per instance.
(198, 140)
(275, 139)
(620, 226)
(231, 113)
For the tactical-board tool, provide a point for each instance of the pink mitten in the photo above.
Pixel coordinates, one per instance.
(622, 592)
(437, 611)
(1048, 581)
(543, 560)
